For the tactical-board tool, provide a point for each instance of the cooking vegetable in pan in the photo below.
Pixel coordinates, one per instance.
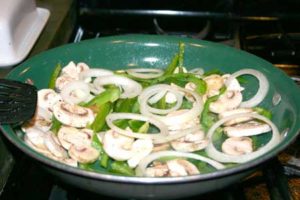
(148, 121)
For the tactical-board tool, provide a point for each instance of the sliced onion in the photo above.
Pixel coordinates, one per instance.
(262, 89)
(130, 87)
(225, 158)
(156, 91)
(191, 114)
(197, 71)
(74, 86)
(145, 73)
(88, 74)
(155, 98)
(141, 168)
(163, 130)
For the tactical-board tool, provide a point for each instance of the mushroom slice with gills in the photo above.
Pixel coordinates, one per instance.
(142, 168)
(214, 83)
(73, 115)
(36, 137)
(73, 70)
(185, 125)
(191, 142)
(230, 100)
(75, 92)
(117, 146)
(140, 148)
(54, 146)
(181, 167)
(234, 112)
(47, 98)
(157, 169)
(247, 129)
(69, 135)
(42, 120)
(62, 81)
(83, 153)
(234, 83)
(70, 161)
(175, 167)
(237, 146)
(161, 147)
(42, 150)
(130, 88)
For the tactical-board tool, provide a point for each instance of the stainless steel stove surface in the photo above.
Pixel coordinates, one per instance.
(268, 29)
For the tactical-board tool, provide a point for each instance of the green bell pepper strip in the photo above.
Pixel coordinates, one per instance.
(172, 66)
(104, 158)
(181, 56)
(99, 120)
(207, 118)
(56, 124)
(263, 112)
(211, 72)
(181, 79)
(109, 95)
(138, 126)
(125, 105)
(54, 76)
(121, 167)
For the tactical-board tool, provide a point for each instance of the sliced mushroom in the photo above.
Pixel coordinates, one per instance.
(229, 100)
(84, 153)
(234, 112)
(247, 129)
(43, 150)
(140, 148)
(118, 146)
(54, 146)
(181, 167)
(73, 70)
(47, 98)
(191, 142)
(237, 146)
(70, 162)
(42, 120)
(234, 84)
(157, 170)
(62, 81)
(161, 147)
(36, 137)
(189, 146)
(181, 126)
(214, 83)
(69, 135)
(73, 115)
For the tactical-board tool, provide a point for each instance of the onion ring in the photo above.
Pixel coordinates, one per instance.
(130, 87)
(141, 168)
(170, 120)
(145, 73)
(87, 74)
(153, 94)
(212, 152)
(66, 92)
(115, 116)
(262, 89)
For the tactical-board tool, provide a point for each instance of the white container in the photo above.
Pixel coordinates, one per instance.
(21, 22)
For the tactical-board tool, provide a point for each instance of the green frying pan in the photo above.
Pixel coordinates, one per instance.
(121, 52)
